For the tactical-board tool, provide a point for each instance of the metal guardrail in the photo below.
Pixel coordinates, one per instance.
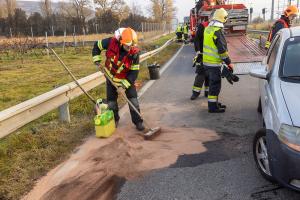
(258, 31)
(19, 115)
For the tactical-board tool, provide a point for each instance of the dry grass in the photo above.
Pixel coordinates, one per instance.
(80, 38)
(36, 148)
(261, 26)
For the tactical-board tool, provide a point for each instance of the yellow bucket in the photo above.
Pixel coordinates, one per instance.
(105, 124)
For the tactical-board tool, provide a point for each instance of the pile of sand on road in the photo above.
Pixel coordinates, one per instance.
(99, 172)
(99, 166)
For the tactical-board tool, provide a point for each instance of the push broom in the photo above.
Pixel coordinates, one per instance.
(148, 134)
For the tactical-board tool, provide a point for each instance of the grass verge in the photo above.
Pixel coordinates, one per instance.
(33, 150)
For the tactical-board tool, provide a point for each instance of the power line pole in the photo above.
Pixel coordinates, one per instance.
(272, 10)
(264, 13)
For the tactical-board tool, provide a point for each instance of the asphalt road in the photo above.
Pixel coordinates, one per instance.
(227, 169)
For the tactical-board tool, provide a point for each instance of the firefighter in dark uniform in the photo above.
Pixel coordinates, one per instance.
(185, 32)
(285, 21)
(215, 53)
(179, 31)
(201, 76)
(122, 66)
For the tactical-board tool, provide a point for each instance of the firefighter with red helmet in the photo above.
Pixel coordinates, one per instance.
(285, 21)
(122, 66)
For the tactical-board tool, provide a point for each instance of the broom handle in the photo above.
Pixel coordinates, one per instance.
(124, 96)
(73, 77)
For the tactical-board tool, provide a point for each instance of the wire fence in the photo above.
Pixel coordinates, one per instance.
(18, 47)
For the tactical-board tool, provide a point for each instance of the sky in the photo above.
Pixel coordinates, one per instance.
(184, 6)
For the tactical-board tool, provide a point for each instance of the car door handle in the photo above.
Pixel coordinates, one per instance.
(266, 99)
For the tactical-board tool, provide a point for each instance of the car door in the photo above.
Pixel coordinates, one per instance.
(267, 101)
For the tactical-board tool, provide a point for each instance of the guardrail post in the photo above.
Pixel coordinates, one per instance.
(64, 113)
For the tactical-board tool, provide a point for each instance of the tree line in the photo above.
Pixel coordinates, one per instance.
(80, 17)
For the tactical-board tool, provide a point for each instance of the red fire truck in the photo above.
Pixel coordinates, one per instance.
(237, 15)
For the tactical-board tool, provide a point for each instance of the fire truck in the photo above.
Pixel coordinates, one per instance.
(237, 15)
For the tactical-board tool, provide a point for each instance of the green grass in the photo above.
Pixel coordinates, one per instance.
(33, 150)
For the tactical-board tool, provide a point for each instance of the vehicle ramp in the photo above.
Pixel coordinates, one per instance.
(245, 53)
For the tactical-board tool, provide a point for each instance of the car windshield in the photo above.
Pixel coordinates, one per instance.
(291, 64)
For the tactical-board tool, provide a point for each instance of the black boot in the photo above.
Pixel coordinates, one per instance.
(214, 108)
(116, 123)
(140, 126)
(195, 95)
(221, 105)
(206, 94)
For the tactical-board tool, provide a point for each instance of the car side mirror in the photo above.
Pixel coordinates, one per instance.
(260, 73)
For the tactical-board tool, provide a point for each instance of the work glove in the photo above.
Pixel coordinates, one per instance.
(227, 73)
(197, 59)
(123, 83)
(267, 45)
(230, 67)
(97, 63)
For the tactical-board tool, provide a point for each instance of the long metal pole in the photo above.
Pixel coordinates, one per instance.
(272, 10)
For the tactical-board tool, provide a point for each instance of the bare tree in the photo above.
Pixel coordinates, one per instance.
(10, 6)
(82, 10)
(46, 8)
(135, 8)
(3, 12)
(162, 10)
(110, 5)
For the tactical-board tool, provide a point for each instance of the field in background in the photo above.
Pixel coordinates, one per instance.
(38, 73)
(36, 148)
(261, 26)
(80, 39)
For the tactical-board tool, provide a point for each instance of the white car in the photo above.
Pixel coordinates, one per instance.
(276, 146)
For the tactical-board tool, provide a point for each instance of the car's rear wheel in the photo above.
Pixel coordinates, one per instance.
(260, 153)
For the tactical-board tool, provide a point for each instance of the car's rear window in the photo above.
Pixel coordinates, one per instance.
(291, 62)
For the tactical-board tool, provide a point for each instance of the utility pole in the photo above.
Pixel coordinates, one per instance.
(272, 10)
(264, 13)
(251, 12)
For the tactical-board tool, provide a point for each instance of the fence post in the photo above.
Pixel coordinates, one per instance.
(52, 31)
(64, 45)
(83, 37)
(10, 32)
(97, 28)
(64, 113)
(31, 32)
(47, 44)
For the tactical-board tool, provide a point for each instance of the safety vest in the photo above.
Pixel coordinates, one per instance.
(270, 36)
(185, 29)
(116, 67)
(211, 56)
(179, 29)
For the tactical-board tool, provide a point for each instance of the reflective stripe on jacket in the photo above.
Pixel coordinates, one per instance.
(211, 56)
(119, 68)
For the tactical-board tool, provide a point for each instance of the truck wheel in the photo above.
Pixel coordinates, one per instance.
(260, 154)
